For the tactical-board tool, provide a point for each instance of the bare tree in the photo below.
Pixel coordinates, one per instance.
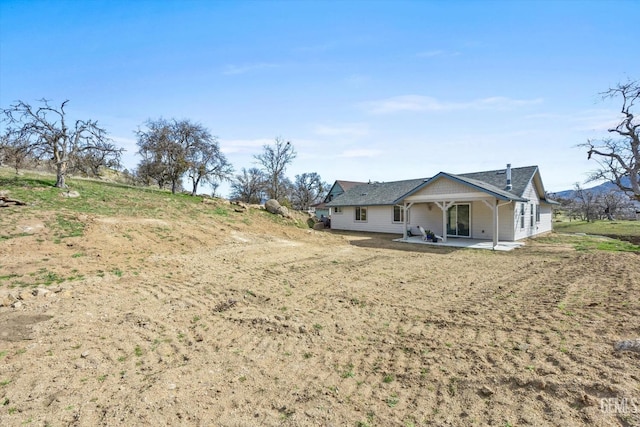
(173, 149)
(164, 151)
(585, 204)
(619, 157)
(615, 203)
(207, 163)
(89, 162)
(274, 160)
(308, 189)
(46, 133)
(249, 186)
(15, 151)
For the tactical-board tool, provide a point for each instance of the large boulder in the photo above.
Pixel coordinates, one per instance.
(276, 208)
(284, 212)
(272, 206)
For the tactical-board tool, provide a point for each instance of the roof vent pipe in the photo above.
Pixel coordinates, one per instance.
(509, 186)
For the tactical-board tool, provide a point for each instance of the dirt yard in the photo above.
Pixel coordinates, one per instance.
(156, 323)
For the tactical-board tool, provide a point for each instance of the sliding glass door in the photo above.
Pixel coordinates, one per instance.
(458, 220)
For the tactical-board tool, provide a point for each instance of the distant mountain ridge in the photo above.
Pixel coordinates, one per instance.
(605, 187)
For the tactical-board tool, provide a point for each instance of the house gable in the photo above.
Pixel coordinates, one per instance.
(339, 187)
(443, 187)
(455, 187)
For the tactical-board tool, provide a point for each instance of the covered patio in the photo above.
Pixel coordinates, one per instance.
(460, 242)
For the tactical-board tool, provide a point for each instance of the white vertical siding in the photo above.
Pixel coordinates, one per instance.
(427, 215)
(506, 222)
(529, 230)
(340, 221)
(379, 220)
(481, 220)
(546, 218)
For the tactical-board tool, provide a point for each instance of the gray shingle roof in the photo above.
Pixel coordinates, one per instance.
(376, 193)
(520, 178)
(390, 193)
(346, 185)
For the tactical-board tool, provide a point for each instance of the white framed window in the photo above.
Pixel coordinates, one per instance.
(398, 214)
(532, 214)
(537, 213)
(522, 209)
(361, 214)
(337, 210)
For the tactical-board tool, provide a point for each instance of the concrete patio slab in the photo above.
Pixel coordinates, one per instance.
(460, 242)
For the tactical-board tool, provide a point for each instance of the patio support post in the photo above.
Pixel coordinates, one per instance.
(405, 208)
(404, 221)
(494, 210)
(495, 224)
(444, 206)
(444, 222)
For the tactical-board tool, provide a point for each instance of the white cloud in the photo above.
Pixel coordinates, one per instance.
(427, 103)
(362, 152)
(352, 130)
(229, 146)
(242, 69)
(594, 120)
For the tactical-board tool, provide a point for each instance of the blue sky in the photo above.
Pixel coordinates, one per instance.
(364, 90)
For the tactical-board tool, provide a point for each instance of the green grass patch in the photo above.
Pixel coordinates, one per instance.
(582, 242)
(66, 225)
(138, 351)
(618, 228)
(392, 400)
(221, 211)
(628, 231)
(278, 219)
(96, 197)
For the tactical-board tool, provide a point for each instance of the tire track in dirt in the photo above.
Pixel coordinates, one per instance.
(255, 333)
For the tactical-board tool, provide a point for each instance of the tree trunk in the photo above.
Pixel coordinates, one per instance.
(195, 186)
(61, 171)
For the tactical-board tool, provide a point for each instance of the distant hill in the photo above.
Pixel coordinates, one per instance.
(598, 189)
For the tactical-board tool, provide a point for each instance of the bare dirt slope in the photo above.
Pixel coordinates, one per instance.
(224, 324)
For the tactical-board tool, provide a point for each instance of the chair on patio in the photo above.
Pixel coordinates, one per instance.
(423, 232)
(433, 237)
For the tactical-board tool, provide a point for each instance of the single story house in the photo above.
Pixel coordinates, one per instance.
(338, 187)
(507, 204)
